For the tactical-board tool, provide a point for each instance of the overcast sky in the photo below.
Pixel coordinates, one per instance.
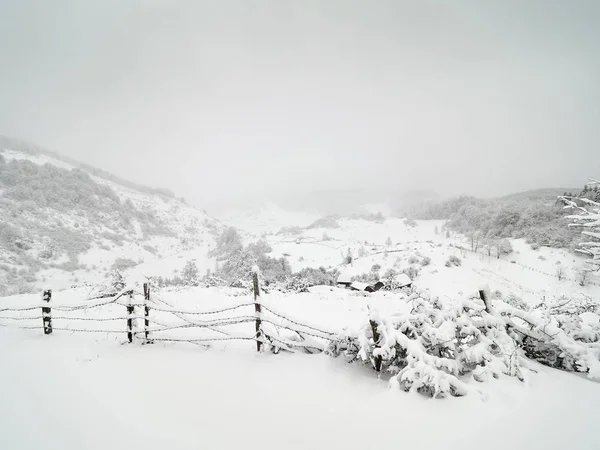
(220, 100)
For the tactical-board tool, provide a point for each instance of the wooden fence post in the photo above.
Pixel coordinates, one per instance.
(130, 312)
(147, 313)
(378, 360)
(47, 312)
(257, 309)
(486, 301)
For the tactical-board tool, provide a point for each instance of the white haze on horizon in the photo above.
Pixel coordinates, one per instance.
(230, 101)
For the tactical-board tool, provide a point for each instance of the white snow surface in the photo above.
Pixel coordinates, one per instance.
(88, 391)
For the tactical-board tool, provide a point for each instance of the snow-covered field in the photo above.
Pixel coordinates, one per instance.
(86, 390)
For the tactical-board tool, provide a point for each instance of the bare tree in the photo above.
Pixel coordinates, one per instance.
(475, 238)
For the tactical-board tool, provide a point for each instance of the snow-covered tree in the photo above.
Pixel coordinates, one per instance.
(117, 280)
(190, 274)
(587, 216)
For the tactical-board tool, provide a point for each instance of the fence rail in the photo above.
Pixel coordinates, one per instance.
(149, 321)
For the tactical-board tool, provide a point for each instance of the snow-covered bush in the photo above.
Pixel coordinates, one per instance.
(296, 284)
(410, 222)
(426, 261)
(439, 349)
(412, 272)
(326, 222)
(412, 259)
(453, 261)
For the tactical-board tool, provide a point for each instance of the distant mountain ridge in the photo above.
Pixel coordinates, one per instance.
(542, 194)
(33, 149)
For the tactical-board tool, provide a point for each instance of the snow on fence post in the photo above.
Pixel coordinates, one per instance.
(485, 297)
(378, 359)
(130, 313)
(147, 313)
(47, 312)
(257, 308)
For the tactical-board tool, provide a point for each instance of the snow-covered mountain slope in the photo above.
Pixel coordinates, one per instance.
(60, 225)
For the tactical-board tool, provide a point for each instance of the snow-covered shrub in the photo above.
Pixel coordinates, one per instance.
(562, 333)
(368, 278)
(296, 284)
(412, 259)
(453, 261)
(326, 222)
(410, 222)
(435, 350)
(439, 349)
(426, 261)
(412, 272)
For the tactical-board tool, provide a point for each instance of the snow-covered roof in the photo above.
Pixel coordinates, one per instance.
(345, 277)
(359, 286)
(403, 280)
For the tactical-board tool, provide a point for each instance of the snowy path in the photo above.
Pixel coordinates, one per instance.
(63, 392)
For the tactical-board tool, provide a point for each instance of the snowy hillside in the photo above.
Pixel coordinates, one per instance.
(61, 226)
(399, 245)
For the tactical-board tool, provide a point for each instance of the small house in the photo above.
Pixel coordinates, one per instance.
(403, 280)
(358, 286)
(374, 287)
(344, 280)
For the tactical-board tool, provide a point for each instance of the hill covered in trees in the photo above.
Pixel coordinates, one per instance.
(536, 216)
(59, 222)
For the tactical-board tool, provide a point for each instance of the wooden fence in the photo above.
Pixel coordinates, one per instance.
(153, 314)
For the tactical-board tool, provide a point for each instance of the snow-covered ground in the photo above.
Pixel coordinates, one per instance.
(88, 390)
(63, 392)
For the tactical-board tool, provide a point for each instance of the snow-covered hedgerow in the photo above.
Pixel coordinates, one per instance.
(437, 349)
